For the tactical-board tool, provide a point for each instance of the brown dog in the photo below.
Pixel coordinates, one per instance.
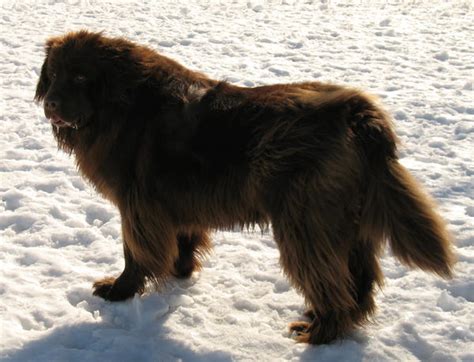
(180, 154)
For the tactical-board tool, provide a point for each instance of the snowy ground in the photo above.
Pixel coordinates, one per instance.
(57, 235)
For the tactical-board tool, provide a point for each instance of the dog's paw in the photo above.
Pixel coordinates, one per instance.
(102, 287)
(299, 331)
(299, 327)
(183, 273)
(113, 289)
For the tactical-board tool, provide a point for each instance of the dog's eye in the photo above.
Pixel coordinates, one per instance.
(79, 78)
(53, 75)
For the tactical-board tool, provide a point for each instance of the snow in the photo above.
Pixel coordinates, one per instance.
(57, 235)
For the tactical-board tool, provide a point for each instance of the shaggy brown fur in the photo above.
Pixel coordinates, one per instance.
(180, 154)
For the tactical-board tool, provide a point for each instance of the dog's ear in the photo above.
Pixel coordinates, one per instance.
(122, 75)
(44, 81)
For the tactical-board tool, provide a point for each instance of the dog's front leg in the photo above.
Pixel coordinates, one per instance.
(131, 281)
(150, 250)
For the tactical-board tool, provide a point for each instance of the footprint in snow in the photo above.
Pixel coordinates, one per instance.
(442, 56)
(166, 43)
(12, 199)
(279, 72)
(96, 212)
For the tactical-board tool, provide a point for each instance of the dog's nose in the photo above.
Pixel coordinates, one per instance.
(51, 104)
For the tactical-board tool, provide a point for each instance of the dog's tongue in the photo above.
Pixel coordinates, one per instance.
(58, 122)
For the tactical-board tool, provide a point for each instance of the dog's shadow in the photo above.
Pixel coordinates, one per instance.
(135, 330)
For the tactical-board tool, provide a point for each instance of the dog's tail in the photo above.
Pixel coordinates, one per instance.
(396, 207)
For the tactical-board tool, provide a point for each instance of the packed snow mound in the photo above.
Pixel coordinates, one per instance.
(57, 235)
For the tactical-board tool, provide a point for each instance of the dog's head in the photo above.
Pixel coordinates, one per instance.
(83, 74)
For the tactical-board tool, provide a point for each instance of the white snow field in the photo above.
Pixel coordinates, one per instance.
(57, 235)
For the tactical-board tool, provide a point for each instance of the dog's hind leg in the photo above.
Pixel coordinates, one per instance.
(192, 247)
(366, 276)
(336, 322)
(315, 227)
(323, 277)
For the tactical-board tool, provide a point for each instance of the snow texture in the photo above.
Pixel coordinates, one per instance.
(57, 235)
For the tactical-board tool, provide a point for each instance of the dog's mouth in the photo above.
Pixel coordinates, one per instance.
(58, 122)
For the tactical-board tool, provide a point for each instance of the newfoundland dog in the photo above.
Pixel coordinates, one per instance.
(181, 154)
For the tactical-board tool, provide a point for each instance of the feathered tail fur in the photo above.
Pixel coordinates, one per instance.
(397, 208)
